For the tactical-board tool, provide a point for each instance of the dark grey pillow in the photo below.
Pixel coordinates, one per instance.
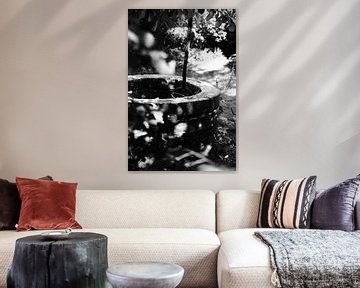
(9, 205)
(334, 208)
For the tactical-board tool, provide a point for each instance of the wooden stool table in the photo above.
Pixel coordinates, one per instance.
(80, 261)
(145, 275)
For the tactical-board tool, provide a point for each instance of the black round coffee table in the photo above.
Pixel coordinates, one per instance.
(79, 260)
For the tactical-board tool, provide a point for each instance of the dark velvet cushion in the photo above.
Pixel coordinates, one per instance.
(334, 208)
(10, 204)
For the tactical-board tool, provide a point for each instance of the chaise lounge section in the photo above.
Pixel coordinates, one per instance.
(244, 260)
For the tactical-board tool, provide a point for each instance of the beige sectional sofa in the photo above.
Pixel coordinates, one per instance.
(177, 226)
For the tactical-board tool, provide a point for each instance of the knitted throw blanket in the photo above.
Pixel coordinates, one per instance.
(313, 258)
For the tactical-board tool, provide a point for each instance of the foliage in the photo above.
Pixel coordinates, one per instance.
(157, 134)
(210, 34)
(212, 28)
(143, 56)
(155, 143)
(158, 21)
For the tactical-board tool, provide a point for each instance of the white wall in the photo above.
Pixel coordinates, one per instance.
(63, 92)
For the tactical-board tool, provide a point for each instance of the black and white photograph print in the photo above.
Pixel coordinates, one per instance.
(181, 89)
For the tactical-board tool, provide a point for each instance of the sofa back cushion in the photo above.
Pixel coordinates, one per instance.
(236, 209)
(146, 209)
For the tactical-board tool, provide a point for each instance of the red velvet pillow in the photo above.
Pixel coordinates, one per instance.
(46, 204)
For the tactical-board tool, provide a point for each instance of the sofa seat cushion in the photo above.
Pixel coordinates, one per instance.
(194, 249)
(244, 261)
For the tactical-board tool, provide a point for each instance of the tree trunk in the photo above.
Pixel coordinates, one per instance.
(187, 48)
(79, 261)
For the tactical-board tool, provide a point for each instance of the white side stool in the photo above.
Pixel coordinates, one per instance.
(145, 275)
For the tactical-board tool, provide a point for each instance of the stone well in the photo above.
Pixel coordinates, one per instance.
(198, 112)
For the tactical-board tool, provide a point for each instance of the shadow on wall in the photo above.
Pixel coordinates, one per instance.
(46, 11)
(89, 30)
(298, 65)
(277, 42)
(304, 50)
(298, 45)
(86, 32)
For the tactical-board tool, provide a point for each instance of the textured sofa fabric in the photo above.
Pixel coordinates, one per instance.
(146, 209)
(175, 226)
(243, 261)
(194, 249)
(236, 209)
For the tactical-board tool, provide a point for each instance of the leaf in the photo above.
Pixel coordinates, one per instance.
(197, 20)
(156, 25)
(190, 13)
(232, 27)
(210, 15)
(142, 14)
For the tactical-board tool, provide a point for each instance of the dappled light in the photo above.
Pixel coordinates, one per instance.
(287, 63)
(337, 79)
(314, 39)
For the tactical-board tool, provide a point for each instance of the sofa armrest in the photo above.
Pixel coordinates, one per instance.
(357, 215)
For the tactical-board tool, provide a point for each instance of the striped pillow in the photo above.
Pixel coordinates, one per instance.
(286, 204)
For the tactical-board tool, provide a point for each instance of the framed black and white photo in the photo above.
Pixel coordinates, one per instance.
(181, 89)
